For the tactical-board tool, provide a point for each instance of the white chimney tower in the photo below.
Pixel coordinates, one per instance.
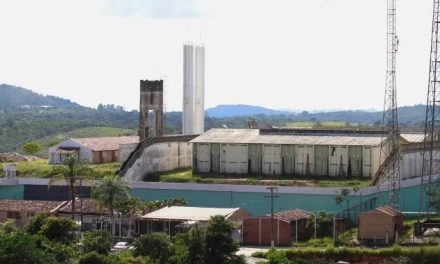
(193, 89)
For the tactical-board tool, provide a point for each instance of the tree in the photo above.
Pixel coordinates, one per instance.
(94, 258)
(129, 208)
(23, 248)
(220, 246)
(59, 229)
(8, 226)
(71, 170)
(36, 223)
(110, 192)
(157, 246)
(31, 148)
(324, 221)
(99, 241)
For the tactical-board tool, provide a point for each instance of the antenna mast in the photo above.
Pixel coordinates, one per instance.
(431, 146)
(390, 125)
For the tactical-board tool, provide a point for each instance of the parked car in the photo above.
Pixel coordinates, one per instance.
(121, 246)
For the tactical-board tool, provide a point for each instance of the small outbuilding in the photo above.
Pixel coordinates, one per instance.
(23, 210)
(175, 219)
(93, 150)
(288, 226)
(380, 226)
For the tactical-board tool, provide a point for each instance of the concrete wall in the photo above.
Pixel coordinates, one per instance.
(124, 151)
(84, 152)
(161, 157)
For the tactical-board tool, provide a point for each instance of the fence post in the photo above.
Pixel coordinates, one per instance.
(315, 225)
(334, 229)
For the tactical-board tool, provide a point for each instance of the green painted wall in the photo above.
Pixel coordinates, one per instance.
(259, 204)
(12, 192)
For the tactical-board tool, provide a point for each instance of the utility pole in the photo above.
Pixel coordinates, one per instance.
(271, 196)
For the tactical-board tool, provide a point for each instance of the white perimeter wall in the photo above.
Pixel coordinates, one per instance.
(161, 157)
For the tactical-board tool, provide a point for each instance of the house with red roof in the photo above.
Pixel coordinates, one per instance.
(94, 150)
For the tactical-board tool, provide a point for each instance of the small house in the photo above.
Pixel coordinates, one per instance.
(23, 210)
(380, 226)
(94, 150)
(175, 219)
(288, 226)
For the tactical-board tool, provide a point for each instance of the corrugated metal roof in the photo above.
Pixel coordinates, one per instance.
(183, 213)
(413, 138)
(252, 136)
(106, 143)
(292, 215)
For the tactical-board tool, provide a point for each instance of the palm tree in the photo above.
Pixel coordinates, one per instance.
(111, 192)
(71, 170)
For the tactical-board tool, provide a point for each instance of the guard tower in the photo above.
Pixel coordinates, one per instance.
(151, 101)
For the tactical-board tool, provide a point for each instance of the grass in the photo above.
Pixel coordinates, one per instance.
(41, 169)
(423, 254)
(322, 123)
(188, 177)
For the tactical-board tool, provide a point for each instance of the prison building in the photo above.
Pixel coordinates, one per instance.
(309, 152)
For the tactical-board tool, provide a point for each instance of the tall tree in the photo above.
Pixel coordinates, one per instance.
(71, 170)
(31, 148)
(111, 192)
(220, 246)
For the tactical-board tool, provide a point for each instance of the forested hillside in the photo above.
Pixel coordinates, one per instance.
(28, 116)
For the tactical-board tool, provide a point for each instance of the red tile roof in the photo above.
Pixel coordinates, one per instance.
(106, 143)
(30, 206)
(89, 206)
(386, 209)
(292, 215)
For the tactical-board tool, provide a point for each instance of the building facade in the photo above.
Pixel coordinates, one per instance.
(320, 153)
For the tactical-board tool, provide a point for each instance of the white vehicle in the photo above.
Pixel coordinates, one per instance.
(121, 246)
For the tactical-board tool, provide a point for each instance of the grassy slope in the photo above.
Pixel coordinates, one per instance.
(187, 176)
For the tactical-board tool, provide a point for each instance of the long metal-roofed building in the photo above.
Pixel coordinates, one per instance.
(310, 152)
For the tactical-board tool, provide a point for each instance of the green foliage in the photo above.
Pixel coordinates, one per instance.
(277, 257)
(157, 246)
(59, 229)
(220, 246)
(8, 226)
(95, 258)
(111, 191)
(347, 238)
(396, 254)
(37, 221)
(24, 249)
(31, 148)
(99, 241)
(324, 222)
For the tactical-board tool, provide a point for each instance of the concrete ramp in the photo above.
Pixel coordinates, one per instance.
(158, 154)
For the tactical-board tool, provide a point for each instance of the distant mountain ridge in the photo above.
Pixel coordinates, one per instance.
(18, 97)
(228, 110)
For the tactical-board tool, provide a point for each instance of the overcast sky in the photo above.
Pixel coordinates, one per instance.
(291, 54)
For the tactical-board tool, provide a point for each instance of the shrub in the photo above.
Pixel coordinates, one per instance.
(99, 241)
(36, 223)
(24, 249)
(94, 258)
(277, 257)
(59, 229)
(157, 246)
